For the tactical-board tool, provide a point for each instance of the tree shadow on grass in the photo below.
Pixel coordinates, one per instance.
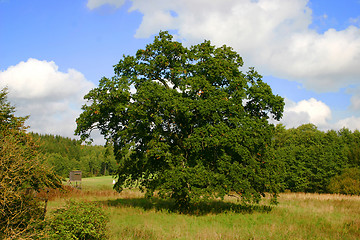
(202, 208)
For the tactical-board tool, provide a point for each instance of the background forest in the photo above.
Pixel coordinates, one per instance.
(317, 161)
(64, 155)
(312, 160)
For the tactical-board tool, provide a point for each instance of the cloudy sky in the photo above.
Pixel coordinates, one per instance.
(53, 52)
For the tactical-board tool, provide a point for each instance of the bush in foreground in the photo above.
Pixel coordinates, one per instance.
(78, 220)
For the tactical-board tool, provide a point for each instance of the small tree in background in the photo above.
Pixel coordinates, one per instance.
(195, 127)
(20, 174)
(346, 183)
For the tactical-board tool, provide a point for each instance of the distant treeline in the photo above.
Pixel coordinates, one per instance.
(315, 161)
(65, 154)
(309, 160)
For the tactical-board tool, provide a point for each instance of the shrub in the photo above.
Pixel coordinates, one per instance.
(78, 220)
(346, 183)
(21, 175)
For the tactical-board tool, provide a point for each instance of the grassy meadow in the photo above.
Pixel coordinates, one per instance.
(298, 216)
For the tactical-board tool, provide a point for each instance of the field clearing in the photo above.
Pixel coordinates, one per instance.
(94, 183)
(298, 216)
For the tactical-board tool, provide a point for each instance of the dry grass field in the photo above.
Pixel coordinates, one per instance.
(298, 216)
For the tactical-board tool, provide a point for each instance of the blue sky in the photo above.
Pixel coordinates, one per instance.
(53, 52)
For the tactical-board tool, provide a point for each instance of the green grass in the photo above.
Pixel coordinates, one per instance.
(94, 183)
(98, 183)
(294, 218)
(298, 216)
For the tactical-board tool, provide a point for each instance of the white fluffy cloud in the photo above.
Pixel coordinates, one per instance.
(52, 98)
(315, 112)
(273, 35)
(351, 123)
(306, 111)
(323, 62)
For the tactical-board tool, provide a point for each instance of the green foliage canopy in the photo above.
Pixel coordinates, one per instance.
(186, 122)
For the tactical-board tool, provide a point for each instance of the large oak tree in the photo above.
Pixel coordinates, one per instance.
(187, 122)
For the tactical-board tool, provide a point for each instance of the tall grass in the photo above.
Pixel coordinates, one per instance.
(298, 216)
(307, 217)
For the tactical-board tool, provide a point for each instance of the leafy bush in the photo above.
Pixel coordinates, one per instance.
(21, 175)
(346, 183)
(78, 220)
